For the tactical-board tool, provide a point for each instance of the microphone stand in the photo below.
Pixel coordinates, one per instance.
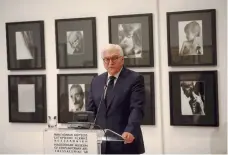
(98, 109)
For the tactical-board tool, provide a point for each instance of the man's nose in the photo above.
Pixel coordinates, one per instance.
(111, 63)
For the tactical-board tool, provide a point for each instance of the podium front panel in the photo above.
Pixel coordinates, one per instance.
(71, 141)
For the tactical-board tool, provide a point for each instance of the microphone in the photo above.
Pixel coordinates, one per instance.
(102, 99)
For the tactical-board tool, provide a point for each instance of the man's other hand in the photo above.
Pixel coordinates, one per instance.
(128, 137)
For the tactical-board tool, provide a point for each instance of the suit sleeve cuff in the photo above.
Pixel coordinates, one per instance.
(131, 129)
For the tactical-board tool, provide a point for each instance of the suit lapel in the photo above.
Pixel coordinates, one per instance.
(103, 81)
(118, 86)
(100, 92)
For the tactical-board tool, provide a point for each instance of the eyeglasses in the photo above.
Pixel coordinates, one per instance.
(114, 59)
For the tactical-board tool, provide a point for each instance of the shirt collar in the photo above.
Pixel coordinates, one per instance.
(116, 75)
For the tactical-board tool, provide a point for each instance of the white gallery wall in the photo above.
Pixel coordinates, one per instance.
(161, 138)
(195, 139)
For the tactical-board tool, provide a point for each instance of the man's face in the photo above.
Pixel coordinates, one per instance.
(77, 96)
(127, 44)
(187, 91)
(75, 41)
(113, 62)
(190, 36)
(187, 88)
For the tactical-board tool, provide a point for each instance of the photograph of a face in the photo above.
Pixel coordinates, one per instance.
(130, 39)
(75, 41)
(25, 45)
(193, 98)
(76, 97)
(73, 90)
(134, 33)
(191, 38)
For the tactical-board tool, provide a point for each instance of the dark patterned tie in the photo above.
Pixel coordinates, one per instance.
(109, 89)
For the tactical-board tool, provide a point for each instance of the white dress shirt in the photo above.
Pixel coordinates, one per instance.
(116, 76)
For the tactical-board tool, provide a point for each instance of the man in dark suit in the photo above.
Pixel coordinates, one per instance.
(121, 110)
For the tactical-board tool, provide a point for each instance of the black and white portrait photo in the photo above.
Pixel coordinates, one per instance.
(130, 39)
(24, 45)
(192, 97)
(76, 97)
(75, 42)
(72, 92)
(134, 33)
(190, 38)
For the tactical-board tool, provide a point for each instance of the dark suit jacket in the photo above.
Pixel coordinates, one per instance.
(124, 113)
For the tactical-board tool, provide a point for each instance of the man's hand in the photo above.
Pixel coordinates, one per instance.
(128, 137)
(199, 100)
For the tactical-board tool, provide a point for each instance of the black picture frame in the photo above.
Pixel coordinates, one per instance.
(65, 82)
(27, 98)
(149, 108)
(25, 45)
(140, 53)
(191, 38)
(76, 43)
(190, 92)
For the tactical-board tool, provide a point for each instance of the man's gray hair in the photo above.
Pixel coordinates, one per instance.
(112, 48)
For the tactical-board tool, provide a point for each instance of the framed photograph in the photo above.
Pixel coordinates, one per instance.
(134, 33)
(72, 92)
(194, 98)
(27, 98)
(192, 38)
(76, 43)
(25, 45)
(149, 108)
